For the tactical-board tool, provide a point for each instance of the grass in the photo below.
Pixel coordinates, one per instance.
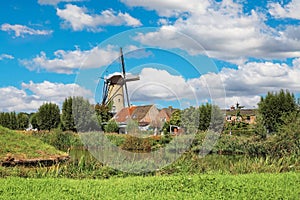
(19, 146)
(248, 186)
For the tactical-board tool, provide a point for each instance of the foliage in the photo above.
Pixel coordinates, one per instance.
(14, 121)
(103, 113)
(132, 127)
(192, 120)
(62, 140)
(111, 127)
(274, 106)
(135, 144)
(23, 120)
(287, 140)
(48, 116)
(33, 121)
(84, 115)
(217, 119)
(189, 120)
(67, 117)
(204, 116)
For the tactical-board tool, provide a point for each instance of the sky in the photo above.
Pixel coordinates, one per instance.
(186, 52)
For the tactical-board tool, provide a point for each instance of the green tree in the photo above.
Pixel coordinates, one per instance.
(33, 121)
(111, 127)
(217, 119)
(67, 117)
(132, 127)
(103, 113)
(272, 107)
(84, 115)
(13, 121)
(48, 116)
(6, 120)
(23, 120)
(189, 120)
(175, 120)
(204, 116)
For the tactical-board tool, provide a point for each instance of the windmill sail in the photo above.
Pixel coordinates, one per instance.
(114, 86)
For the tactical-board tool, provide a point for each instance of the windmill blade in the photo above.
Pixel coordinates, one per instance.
(124, 76)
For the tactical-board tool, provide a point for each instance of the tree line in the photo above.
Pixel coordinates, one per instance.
(77, 114)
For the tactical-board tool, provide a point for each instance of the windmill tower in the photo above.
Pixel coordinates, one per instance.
(114, 87)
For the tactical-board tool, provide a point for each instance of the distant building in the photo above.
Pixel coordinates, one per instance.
(146, 117)
(244, 115)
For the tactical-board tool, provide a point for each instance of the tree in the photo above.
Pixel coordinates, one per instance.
(175, 120)
(272, 107)
(190, 120)
(111, 127)
(23, 120)
(67, 117)
(103, 113)
(84, 115)
(204, 116)
(13, 121)
(48, 116)
(33, 121)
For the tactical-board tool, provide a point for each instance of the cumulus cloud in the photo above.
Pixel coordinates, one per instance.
(245, 85)
(55, 2)
(291, 10)
(6, 56)
(68, 61)
(222, 29)
(21, 31)
(79, 19)
(159, 84)
(170, 8)
(254, 79)
(32, 95)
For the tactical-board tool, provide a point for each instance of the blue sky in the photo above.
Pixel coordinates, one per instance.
(185, 52)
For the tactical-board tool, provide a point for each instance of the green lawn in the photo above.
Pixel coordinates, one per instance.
(248, 186)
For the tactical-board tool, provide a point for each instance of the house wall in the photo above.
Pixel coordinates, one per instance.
(163, 116)
(152, 116)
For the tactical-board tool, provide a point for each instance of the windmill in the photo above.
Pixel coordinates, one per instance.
(114, 86)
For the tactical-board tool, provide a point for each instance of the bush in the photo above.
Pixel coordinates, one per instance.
(111, 127)
(133, 143)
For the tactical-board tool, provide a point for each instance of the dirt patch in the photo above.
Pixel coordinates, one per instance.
(12, 162)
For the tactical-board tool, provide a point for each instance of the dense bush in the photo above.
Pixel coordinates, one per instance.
(111, 127)
(133, 143)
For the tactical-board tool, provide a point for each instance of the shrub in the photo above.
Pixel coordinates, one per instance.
(111, 127)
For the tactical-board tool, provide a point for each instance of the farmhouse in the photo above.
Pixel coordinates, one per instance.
(239, 114)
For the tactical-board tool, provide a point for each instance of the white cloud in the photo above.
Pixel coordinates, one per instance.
(14, 99)
(254, 79)
(69, 61)
(222, 29)
(159, 84)
(291, 10)
(79, 19)
(55, 2)
(169, 8)
(21, 31)
(6, 56)
(244, 85)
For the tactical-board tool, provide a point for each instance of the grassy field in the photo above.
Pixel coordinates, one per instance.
(20, 146)
(248, 186)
